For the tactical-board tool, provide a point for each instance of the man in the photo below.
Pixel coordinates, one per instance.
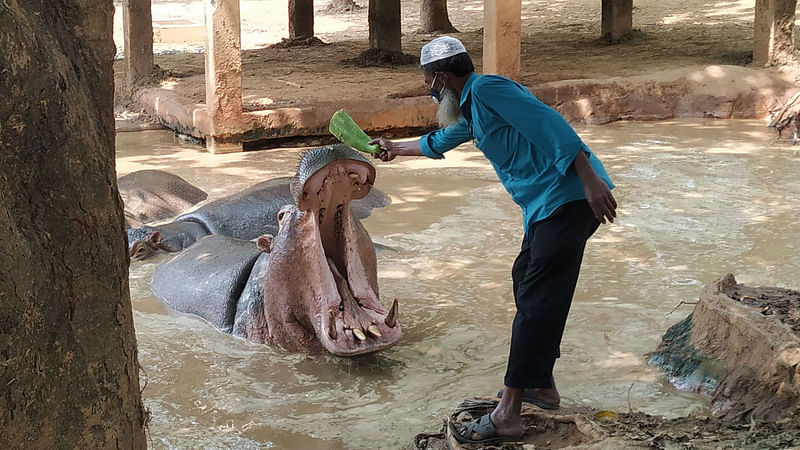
(564, 193)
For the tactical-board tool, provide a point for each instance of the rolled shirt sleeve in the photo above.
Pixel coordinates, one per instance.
(435, 143)
(541, 125)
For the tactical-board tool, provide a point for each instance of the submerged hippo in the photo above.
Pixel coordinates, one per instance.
(150, 195)
(313, 287)
(245, 215)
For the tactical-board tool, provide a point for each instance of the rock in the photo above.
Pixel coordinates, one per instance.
(740, 345)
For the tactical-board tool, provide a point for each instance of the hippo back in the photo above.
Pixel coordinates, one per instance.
(151, 195)
(207, 279)
(253, 212)
(246, 214)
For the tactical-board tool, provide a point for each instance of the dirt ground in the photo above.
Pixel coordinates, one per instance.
(580, 428)
(784, 304)
(559, 42)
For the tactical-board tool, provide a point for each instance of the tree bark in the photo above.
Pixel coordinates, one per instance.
(433, 17)
(68, 360)
(301, 19)
(384, 25)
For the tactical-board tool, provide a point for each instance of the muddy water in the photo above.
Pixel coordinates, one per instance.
(698, 199)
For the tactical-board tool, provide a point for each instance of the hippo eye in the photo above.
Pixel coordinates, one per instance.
(280, 215)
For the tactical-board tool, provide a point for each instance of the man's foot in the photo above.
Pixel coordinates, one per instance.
(545, 398)
(485, 431)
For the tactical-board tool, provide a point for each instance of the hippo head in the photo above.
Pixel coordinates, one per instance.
(320, 287)
(143, 242)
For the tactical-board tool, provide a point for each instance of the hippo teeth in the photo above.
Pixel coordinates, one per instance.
(373, 331)
(391, 318)
(332, 325)
(359, 334)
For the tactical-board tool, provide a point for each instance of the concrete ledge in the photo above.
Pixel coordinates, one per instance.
(377, 115)
(173, 111)
(192, 119)
(723, 92)
(726, 92)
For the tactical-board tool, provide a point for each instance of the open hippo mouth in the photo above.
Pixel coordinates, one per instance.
(345, 312)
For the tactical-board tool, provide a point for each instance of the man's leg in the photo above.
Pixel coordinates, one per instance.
(543, 290)
(545, 274)
(511, 401)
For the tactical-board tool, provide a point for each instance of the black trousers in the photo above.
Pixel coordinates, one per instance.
(545, 274)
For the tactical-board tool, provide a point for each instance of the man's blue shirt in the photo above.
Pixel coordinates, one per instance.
(530, 145)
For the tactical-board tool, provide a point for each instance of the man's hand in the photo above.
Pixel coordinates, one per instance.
(598, 195)
(387, 146)
(600, 199)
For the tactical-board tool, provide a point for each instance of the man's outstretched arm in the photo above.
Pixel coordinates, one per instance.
(390, 150)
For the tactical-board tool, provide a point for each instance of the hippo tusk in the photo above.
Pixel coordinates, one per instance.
(373, 331)
(332, 325)
(359, 334)
(391, 318)
(353, 175)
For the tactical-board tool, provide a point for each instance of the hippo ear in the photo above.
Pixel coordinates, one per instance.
(264, 243)
(154, 239)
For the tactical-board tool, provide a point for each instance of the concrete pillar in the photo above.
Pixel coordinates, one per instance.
(223, 75)
(137, 24)
(502, 22)
(301, 19)
(617, 20)
(773, 31)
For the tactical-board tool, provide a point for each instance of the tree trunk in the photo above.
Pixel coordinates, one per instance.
(343, 5)
(433, 17)
(137, 19)
(301, 19)
(68, 360)
(384, 25)
(616, 19)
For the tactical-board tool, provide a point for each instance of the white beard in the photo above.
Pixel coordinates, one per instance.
(449, 111)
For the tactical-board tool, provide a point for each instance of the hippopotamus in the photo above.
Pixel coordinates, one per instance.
(313, 287)
(151, 195)
(244, 215)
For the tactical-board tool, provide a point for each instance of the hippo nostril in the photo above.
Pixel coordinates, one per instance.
(138, 250)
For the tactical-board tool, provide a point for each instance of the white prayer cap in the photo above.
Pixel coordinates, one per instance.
(440, 48)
